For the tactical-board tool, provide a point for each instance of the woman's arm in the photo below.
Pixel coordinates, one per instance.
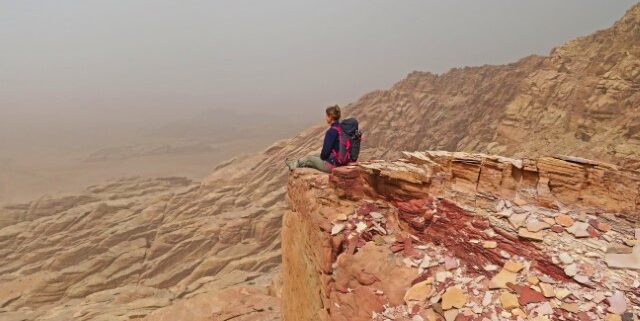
(329, 139)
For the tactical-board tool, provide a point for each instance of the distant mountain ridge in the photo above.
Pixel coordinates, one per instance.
(581, 100)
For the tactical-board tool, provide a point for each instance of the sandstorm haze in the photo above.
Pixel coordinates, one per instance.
(93, 90)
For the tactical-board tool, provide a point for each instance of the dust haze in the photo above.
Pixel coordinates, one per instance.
(95, 90)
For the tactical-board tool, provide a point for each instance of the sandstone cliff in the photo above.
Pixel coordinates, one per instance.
(158, 248)
(459, 236)
(581, 100)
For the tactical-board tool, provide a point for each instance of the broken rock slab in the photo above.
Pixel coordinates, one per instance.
(624, 261)
(454, 297)
(617, 303)
(528, 235)
(579, 229)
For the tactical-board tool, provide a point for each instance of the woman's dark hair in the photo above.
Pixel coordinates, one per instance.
(334, 112)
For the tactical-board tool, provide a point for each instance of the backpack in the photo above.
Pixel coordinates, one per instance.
(350, 138)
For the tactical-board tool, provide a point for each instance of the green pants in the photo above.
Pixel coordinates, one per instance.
(314, 162)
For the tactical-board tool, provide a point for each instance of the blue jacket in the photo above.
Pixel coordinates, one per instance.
(331, 142)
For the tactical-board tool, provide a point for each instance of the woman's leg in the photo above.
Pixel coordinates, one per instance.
(311, 162)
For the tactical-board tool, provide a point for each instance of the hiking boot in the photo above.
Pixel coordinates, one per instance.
(291, 163)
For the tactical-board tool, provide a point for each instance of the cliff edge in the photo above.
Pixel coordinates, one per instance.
(459, 236)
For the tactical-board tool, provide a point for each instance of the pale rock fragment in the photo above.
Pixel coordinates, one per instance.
(341, 217)
(505, 213)
(508, 300)
(624, 261)
(571, 270)
(408, 262)
(491, 267)
(544, 309)
(450, 263)
(517, 220)
(513, 266)
(562, 293)
(592, 254)
(570, 307)
(547, 290)
(490, 244)
(451, 315)
(431, 315)
(617, 303)
(547, 279)
(528, 235)
(361, 227)
(579, 229)
(453, 297)
(564, 220)
(486, 300)
(419, 292)
(490, 232)
(337, 228)
(500, 280)
(519, 313)
(587, 306)
(536, 226)
(612, 317)
(518, 200)
(376, 215)
(565, 258)
(582, 279)
(442, 276)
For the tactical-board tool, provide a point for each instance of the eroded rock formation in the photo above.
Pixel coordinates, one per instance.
(457, 236)
(133, 247)
(580, 100)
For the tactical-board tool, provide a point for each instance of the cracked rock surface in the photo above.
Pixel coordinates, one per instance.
(412, 242)
(126, 249)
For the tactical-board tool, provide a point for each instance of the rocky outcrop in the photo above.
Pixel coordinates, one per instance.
(457, 236)
(553, 182)
(580, 100)
(134, 246)
(126, 249)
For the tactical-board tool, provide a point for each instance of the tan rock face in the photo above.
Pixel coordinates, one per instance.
(126, 249)
(133, 246)
(453, 297)
(425, 248)
(508, 300)
(581, 100)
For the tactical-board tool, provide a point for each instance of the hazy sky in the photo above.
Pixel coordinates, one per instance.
(137, 60)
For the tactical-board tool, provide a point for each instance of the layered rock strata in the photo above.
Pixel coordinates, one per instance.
(132, 247)
(457, 236)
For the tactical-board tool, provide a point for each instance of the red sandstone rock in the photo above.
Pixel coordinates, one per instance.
(564, 220)
(527, 295)
(452, 232)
